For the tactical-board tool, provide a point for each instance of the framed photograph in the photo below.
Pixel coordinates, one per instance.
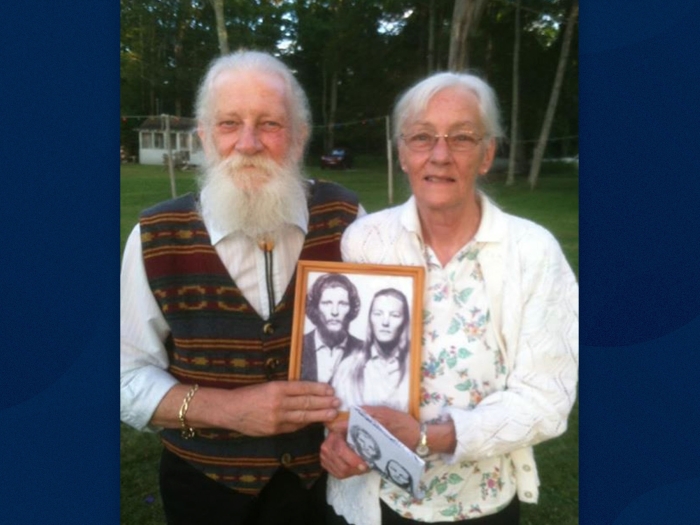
(358, 327)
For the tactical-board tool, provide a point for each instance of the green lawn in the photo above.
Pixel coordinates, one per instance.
(554, 204)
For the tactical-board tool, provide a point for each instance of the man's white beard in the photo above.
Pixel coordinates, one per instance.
(253, 194)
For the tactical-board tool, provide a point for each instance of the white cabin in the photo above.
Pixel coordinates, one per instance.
(154, 141)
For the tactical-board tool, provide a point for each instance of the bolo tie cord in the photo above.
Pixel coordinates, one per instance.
(266, 245)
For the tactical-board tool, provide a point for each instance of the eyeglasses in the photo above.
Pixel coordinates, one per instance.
(459, 141)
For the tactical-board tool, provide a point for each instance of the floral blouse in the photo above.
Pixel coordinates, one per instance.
(461, 365)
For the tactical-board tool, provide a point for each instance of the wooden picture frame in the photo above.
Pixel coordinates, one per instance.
(394, 293)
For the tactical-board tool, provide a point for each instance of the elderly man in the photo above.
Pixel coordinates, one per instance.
(331, 304)
(206, 307)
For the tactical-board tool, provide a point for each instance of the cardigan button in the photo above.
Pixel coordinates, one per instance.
(286, 459)
(268, 329)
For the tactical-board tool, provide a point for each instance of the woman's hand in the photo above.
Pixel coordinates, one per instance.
(403, 426)
(442, 437)
(338, 458)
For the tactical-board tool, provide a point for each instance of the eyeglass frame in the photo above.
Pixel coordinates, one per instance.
(437, 136)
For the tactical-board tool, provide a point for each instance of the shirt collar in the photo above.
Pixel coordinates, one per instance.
(374, 354)
(491, 227)
(216, 233)
(320, 344)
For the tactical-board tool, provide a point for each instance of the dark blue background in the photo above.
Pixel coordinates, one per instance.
(640, 291)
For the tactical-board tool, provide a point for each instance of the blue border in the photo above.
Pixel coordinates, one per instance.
(640, 292)
(59, 443)
(639, 230)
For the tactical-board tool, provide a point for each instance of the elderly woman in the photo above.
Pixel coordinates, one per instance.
(500, 329)
(377, 373)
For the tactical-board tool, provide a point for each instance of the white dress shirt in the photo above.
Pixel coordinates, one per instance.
(327, 358)
(384, 382)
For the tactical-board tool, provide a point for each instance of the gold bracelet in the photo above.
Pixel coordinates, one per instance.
(187, 431)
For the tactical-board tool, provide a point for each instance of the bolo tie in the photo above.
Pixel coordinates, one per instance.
(266, 244)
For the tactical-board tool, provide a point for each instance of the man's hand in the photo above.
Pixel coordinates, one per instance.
(264, 409)
(278, 407)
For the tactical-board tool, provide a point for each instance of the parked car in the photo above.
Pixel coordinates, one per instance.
(340, 158)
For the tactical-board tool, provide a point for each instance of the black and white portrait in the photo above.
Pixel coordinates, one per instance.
(365, 445)
(332, 303)
(378, 373)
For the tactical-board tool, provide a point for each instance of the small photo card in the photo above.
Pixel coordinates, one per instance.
(394, 461)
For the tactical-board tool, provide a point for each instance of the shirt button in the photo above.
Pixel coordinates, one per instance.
(268, 329)
(527, 468)
(286, 459)
(528, 494)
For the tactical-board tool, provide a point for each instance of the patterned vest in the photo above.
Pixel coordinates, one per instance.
(218, 340)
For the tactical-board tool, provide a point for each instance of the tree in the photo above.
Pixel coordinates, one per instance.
(510, 179)
(465, 19)
(353, 57)
(554, 97)
(218, 6)
(431, 37)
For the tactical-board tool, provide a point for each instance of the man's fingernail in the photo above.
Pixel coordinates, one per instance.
(361, 467)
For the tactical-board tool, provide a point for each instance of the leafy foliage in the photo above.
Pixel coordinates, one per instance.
(369, 51)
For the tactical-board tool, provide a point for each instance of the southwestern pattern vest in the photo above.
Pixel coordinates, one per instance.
(218, 340)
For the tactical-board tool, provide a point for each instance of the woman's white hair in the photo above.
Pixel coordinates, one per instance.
(243, 61)
(415, 100)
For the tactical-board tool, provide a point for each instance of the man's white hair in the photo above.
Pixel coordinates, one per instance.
(243, 62)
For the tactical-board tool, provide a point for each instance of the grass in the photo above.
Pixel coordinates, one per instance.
(554, 204)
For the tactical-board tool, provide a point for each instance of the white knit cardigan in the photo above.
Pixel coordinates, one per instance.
(533, 302)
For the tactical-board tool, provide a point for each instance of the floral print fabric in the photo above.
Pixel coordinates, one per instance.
(461, 365)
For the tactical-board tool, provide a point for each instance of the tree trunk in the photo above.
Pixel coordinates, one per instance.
(510, 179)
(221, 26)
(431, 37)
(324, 108)
(465, 19)
(554, 97)
(332, 109)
